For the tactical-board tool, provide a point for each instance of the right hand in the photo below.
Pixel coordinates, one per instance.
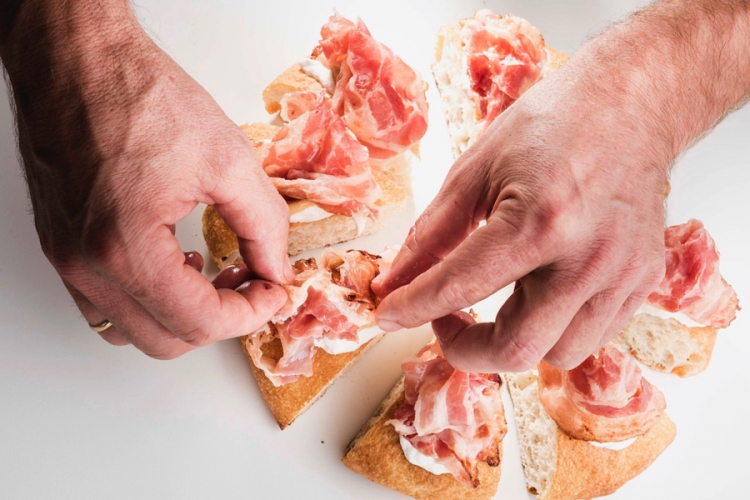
(124, 147)
(571, 185)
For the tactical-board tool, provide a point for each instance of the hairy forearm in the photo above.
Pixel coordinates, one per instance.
(67, 62)
(682, 65)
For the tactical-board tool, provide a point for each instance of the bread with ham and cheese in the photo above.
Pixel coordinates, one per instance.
(676, 329)
(584, 433)
(342, 159)
(327, 323)
(438, 435)
(482, 65)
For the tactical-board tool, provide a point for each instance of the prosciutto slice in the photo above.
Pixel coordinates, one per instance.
(314, 157)
(381, 98)
(505, 56)
(693, 284)
(329, 301)
(603, 399)
(455, 417)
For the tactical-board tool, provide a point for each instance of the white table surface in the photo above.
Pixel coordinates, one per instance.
(82, 419)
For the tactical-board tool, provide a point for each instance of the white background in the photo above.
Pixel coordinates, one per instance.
(82, 419)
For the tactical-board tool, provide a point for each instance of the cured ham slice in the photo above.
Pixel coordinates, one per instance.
(314, 157)
(295, 104)
(450, 415)
(693, 284)
(380, 97)
(327, 302)
(505, 56)
(603, 399)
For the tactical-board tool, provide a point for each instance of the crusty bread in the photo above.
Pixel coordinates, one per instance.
(453, 82)
(667, 345)
(291, 80)
(392, 175)
(558, 467)
(287, 402)
(376, 454)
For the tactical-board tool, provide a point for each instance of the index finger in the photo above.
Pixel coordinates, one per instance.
(493, 256)
(255, 211)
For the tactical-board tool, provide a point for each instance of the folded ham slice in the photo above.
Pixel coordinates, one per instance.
(380, 97)
(315, 157)
(603, 399)
(450, 415)
(505, 56)
(327, 302)
(693, 284)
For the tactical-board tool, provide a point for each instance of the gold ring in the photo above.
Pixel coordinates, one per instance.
(101, 326)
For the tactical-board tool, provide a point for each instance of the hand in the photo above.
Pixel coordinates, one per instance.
(571, 184)
(121, 146)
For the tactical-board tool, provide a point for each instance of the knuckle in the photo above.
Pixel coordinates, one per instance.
(455, 294)
(521, 355)
(199, 336)
(163, 353)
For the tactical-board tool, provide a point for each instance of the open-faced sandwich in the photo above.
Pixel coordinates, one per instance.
(354, 115)
(675, 330)
(482, 65)
(585, 432)
(438, 435)
(327, 324)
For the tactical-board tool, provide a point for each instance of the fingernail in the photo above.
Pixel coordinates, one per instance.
(388, 325)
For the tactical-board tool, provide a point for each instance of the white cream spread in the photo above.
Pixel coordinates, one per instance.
(341, 346)
(661, 313)
(309, 214)
(617, 445)
(415, 457)
(316, 69)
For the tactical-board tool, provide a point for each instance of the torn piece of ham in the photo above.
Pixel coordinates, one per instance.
(381, 98)
(314, 157)
(693, 284)
(604, 399)
(505, 56)
(327, 302)
(454, 417)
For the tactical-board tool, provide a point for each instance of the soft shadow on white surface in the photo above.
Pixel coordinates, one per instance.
(82, 419)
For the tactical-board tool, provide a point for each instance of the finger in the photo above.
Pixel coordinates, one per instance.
(525, 329)
(585, 332)
(184, 301)
(445, 223)
(624, 314)
(492, 257)
(194, 260)
(130, 319)
(255, 211)
(94, 316)
(232, 276)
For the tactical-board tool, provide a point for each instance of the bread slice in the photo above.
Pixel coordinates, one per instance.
(452, 78)
(289, 401)
(376, 454)
(393, 176)
(558, 467)
(667, 345)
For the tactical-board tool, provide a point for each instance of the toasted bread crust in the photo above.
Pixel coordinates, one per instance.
(289, 401)
(564, 468)
(376, 454)
(585, 471)
(291, 80)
